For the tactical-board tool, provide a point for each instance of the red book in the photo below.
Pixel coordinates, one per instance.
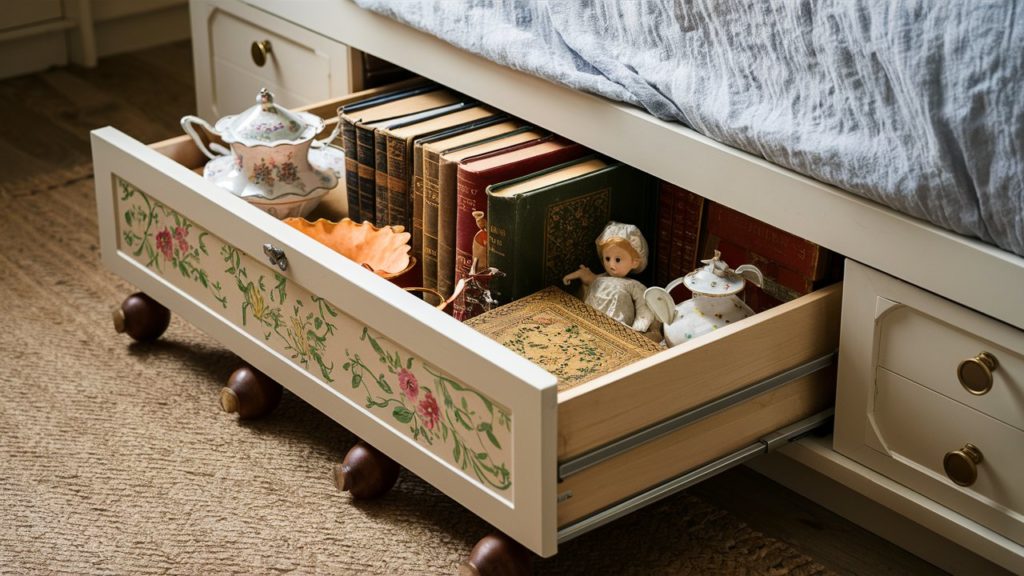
(805, 258)
(476, 173)
(684, 235)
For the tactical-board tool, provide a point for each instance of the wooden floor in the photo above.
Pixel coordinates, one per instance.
(45, 123)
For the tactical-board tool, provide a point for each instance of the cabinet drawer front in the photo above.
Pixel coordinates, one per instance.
(462, 412)
(922, 348)
(918, 427)
(303, 69)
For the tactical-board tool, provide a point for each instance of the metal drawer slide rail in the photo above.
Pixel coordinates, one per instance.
(766, 444)
(580, 463)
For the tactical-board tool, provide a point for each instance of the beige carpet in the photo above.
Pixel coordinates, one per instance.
(115, 459)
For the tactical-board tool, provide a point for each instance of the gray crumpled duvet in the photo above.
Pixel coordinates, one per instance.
(918, 105)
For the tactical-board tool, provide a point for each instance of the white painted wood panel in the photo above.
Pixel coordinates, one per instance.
(867, 416)
(302, 69)
(926, 349)
(305, 66)
(920, 253)
(918, 427)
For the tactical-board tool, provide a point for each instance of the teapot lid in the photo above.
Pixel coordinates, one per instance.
(714, 279)
(268, 124)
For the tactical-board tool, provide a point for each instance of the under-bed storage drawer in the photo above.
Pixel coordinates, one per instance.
(469, 416)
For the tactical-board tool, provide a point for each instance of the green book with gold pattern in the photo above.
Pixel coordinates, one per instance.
(563, 335)
(543, 226)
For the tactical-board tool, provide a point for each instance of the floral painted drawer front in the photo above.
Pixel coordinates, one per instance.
(447, 417)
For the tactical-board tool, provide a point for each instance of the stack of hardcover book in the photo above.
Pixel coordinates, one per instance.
(477, 188)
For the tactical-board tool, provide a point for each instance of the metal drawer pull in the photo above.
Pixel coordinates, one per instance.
(975, 374)
(260, 50)
(276, 256)
(962, 465)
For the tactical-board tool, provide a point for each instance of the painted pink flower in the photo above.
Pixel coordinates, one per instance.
(164, 243)
(428, 410)
(181, 235)
(408, 383)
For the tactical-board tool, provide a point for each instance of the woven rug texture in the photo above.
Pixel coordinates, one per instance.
(115, 458)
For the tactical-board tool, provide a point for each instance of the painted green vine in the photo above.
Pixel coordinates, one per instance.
(417, 405)
(304, 332)
(161, 243)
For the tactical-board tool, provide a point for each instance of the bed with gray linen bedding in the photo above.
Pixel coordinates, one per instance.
(918, 105)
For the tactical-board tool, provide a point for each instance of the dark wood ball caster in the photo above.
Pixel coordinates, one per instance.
(249, 393)
(365, 472)
(141, 317)
(497, 555)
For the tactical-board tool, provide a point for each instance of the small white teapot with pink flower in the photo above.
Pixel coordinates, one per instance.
(715, 303)
(268, 164)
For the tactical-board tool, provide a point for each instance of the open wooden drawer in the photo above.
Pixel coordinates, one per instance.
(467, 415)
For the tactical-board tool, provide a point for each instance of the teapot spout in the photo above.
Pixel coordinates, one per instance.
(660, 302)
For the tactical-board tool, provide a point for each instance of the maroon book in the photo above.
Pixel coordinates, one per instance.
(663, 240)
(476, 173)
(805, 258)
(684, 235)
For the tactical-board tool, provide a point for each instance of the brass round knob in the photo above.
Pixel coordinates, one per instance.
(260, 51)
(962, 465)
(975, 374)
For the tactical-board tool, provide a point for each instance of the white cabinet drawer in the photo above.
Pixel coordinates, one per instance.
(483, 425)
(300, 67)
(900, 407)
(928, 351)
(918, 427)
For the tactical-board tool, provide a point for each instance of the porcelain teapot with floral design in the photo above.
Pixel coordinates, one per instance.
(269, 157)
(715, 302)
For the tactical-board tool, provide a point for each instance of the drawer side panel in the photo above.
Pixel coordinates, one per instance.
(687, 448)
(698, 371)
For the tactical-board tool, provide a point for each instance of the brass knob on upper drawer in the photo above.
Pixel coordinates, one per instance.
(975, 374)
(962, 465)
(260, 51)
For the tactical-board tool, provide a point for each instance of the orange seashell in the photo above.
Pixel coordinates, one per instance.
(384, 251)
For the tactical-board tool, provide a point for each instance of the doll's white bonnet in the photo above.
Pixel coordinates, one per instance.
(631, 234)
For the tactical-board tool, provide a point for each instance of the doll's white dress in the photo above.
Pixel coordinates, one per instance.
(621, 299)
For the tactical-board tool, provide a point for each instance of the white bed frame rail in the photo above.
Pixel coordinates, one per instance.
(916, 251)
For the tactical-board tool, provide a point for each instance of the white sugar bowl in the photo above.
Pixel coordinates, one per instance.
(268, 164)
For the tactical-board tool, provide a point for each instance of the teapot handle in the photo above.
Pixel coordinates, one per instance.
(330, 138)
(186, 125)
(671, 285)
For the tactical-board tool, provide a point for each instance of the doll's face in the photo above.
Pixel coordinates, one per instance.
(617, 261)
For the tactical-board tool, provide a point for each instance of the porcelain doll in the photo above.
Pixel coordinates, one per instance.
(623, 250)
